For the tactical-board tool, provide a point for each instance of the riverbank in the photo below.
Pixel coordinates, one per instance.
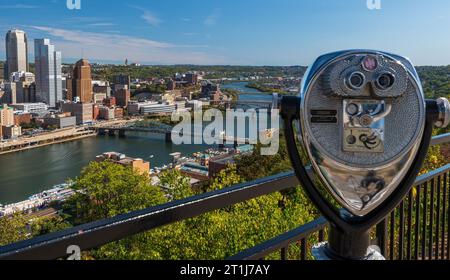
(264, 89)
(50, 142)
(58, 136)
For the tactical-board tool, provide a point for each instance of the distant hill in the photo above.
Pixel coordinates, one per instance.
(435, 80)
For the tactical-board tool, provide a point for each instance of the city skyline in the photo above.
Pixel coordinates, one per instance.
(206, 32)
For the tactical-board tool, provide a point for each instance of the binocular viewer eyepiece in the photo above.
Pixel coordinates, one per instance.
(365, 128)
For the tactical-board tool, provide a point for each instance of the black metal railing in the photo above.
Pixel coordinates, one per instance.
(419, 228)
(416, 230)
(426, 223)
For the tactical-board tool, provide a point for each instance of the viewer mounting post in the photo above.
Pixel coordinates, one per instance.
(365, 127)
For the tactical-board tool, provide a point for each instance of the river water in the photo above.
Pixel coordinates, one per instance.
(23, 174)
(248, 93)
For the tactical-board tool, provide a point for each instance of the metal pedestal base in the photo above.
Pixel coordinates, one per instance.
(321, 252)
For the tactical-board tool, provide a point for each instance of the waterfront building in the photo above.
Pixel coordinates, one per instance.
(8, 129)
(32, 108)
(175, 158)
(107, 113)
(6, 115)
(21, 118)
(219, 163)
(139, 165)
(84, 112)
(123, 96)
(134, 107)
(48, 72)
(154, 108)
(16, 52)
(118, 113)
(60, 121)
(80, 84)
(11, 132)
(195, 170)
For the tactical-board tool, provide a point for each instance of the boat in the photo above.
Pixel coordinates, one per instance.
(59, 192)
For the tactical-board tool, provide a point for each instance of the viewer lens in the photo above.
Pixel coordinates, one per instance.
(385, 81)
(356, 80)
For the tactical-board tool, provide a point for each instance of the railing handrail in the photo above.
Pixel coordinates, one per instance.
(98, 233)
(281, 241)
(440, 139)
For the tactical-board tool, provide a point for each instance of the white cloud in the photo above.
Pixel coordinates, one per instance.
(116, 47)
(18, 6)
(102, 24)
(212, 19)
(148, 16)
(151, 18)
(190, 34)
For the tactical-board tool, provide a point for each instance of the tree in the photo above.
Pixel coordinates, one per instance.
(434, 160)
(105, 189)
(225, 178)
(175, 185)
(12, 229)
(254, 166)
(44, 226)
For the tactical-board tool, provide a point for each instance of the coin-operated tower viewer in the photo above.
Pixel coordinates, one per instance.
(364, 126)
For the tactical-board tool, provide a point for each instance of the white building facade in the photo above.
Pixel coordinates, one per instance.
(48, 73)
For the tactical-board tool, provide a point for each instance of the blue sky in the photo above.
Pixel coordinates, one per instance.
(238, 32)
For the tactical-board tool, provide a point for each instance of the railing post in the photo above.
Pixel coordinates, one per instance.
(382, 235)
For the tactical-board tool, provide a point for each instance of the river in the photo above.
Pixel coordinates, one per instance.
(248, 93)
(25, 173)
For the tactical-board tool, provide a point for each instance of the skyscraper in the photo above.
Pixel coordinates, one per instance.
(16, 52)
(80, 85)
(48, 72)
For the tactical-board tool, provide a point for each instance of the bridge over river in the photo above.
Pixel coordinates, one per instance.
(168, 132)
